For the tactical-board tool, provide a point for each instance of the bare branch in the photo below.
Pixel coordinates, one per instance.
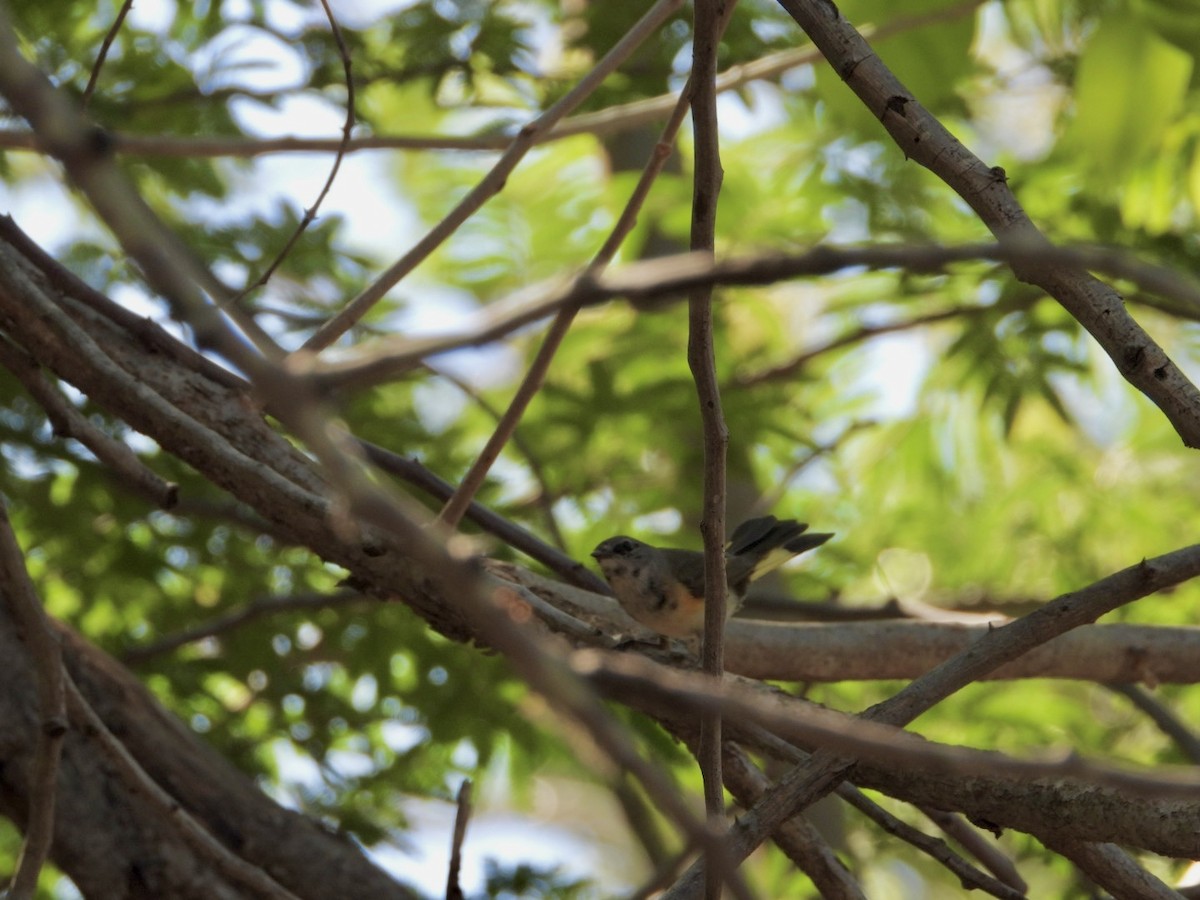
(453, 888)
(507, 421)
(1111, 868)
(976, 844)
(1166, 720)
(797, 837)
(411, 471)
(857, 335)
(674, 275)
(711, 16)
(251, 877)
(256, 609)
(535, 377)
(310, 214)
(891, 648)
(105, 45)
(69, 422)
(46, 654)
(922, 138)
(773, 495)
(494, 181)
(665, 691)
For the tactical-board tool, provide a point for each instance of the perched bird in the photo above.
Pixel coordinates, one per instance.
(663, 588)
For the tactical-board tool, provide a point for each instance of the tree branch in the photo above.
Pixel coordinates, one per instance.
(825, 769)
(105, 45)
(26, 610)
(70, 422)
(675, 275)
(1111, 868)
(923, 139)
(535, 377)
(454, 890)
(310, 214)
(256, 609)
(494, 181)
(711, 16)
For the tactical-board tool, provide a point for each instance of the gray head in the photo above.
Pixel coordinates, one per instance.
(621, 548)
(623, 556)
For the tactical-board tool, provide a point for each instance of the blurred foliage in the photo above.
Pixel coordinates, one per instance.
(990, 460)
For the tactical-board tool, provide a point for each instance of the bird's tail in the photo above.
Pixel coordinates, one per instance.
(770, 542)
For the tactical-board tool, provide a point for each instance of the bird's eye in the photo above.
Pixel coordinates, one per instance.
(624, 548)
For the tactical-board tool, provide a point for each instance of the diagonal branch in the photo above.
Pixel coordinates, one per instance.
(923, 139)
(105, 46)
(69, 421)
(825, 769)
(494, 181)
(310, 214)
(46, 653)
(247, 875)
(256, 609)
(535, 377)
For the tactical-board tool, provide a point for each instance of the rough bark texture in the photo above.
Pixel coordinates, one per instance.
(112, 842)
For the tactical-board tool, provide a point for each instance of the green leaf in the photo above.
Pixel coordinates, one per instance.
(1131, 84)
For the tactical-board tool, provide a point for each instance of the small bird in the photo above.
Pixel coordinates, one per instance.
(663, 588)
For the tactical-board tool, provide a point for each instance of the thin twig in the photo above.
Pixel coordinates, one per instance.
(825, 769)
(231, 866)
(771, 497)
(988, 854)
(257, 609)
(463, 496)
(454, 890)
(711, 17)
(857, 335)
(663, 875)
(494, 181)
(46, 654)
(639, 816)
(310, 214)
(456, 507)
(921, 137)
(411, 471)
(937, 849)
(105, 45)
(670, 276)
(609, 121)
(1166, 720)
(70, 422)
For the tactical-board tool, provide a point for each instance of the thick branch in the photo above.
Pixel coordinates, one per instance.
(671, 276)
(25, 609)
(923, 139)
